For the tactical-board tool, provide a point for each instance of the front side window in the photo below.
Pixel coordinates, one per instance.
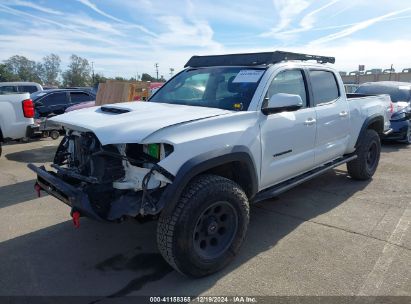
(289, 82)
(230, 88)
(324, 86)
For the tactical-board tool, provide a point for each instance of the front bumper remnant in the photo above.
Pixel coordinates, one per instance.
(65, 192)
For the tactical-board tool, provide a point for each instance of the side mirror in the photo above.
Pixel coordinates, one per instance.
(282, 102)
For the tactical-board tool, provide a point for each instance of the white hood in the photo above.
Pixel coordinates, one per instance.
(143, 119)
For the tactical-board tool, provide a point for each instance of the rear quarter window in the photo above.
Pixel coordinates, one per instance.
(28, 89)
(77, 97)
(324, 86)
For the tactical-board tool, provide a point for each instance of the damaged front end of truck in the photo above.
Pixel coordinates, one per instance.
(106, 182)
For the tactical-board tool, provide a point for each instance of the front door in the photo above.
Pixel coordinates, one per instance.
(288, 138)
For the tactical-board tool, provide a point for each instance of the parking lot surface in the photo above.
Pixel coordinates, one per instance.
(329, 236)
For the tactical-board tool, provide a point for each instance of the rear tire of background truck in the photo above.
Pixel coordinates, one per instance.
(54, 134)
(365, 165)
(206, 228)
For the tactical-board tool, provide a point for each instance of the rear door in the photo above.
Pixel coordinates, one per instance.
(333, 123)
(288, 138)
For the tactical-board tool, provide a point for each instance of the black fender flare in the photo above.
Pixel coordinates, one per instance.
(202, 163)
(376, 118)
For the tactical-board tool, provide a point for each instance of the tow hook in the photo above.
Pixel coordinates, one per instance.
(76, 219)
(37, 188)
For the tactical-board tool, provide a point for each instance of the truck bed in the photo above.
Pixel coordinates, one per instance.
(13, 124)
(365, 106)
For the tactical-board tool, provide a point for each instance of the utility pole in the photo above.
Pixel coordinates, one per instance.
(92, 71)
(391, 71)
(171, 72)
(156, 66)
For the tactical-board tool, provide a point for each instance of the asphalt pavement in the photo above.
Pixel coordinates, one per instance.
(330, 236)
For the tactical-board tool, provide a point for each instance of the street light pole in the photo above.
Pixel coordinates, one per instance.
(156, 66)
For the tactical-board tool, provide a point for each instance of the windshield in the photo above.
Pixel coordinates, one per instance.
(229, 88)
(397, 93)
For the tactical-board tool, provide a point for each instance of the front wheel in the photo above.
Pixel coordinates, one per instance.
(368, 157)
(206, 228)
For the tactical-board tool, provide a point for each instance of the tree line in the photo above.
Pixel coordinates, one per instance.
(48, 72)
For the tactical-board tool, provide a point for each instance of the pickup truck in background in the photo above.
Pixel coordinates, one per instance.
(16, 117)
(226, 131)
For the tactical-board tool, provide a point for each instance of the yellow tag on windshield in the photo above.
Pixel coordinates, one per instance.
(238, 106)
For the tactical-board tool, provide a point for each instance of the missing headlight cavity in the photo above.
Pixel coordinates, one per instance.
(82, 154)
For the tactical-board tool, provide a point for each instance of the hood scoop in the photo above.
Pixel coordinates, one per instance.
(114, 110)
(132, 122)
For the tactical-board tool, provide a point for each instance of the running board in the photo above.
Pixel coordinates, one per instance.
(288, 184)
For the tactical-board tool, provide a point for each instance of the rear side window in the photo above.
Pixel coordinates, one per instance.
(77, 97)
(28, 89)
(55, 99)
(324, 86)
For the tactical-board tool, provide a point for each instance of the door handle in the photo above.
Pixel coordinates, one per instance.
(343, 114)
(310, 122)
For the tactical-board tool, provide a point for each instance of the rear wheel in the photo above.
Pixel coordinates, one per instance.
(368, 157)
(207, 227)
(54, 134)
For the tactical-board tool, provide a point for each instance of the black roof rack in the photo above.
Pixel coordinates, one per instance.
(252, 59)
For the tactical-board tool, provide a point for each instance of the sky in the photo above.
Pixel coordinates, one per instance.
(127, 37)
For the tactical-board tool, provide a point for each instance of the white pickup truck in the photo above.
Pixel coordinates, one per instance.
(16, 117)
(226, 131)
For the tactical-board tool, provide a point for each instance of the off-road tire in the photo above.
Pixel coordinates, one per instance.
(176, 230)
(363, 168)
